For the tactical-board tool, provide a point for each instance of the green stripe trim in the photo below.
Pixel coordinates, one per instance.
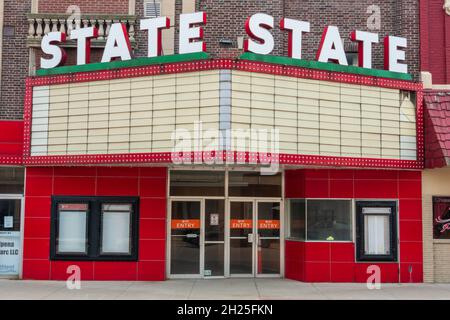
(138, 62)
(325, 66)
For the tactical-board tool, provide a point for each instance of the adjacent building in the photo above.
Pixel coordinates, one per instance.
(435, 66)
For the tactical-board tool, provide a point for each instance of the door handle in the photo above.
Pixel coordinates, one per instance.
(192, 235)
(250, 238)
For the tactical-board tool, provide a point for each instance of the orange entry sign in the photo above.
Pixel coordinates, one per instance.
(240, 224)
(186, 224)
(268, 224)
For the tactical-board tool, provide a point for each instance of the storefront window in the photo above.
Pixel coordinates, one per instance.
(11, 180)
(72, 228)
(253, 184)
(376, 231)
(441, 217)
(329, 220)
(297, 215)
(197, 183)
(116, 225)
(94, 228)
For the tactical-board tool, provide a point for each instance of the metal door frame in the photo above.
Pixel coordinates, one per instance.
(255, 202)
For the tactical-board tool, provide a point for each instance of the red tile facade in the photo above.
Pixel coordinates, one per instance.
(336, 262)
(147, 183)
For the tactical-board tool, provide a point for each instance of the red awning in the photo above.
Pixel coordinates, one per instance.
(437, 129)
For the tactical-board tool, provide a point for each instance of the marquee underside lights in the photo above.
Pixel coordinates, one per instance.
(260, 41)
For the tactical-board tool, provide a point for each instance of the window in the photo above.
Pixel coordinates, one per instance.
(297, 216)
(152, 9)
(376, 231)
(441, 217)
(10, 215)
(94, 228)
(253, 184)
(197, 183)
(329, 220)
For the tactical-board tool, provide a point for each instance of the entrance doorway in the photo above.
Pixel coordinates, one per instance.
(225, 238)
(224, 223)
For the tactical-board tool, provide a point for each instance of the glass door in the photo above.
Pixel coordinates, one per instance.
(214, 238)
(185, 226)
(268, 238)
(241, 236)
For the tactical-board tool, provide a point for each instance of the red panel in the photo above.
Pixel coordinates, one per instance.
(411, 189)
(153, 208)
(37, 207)
(38, 186)
(79, 186)
(75, 171)
(389, 272)
(411, 252)
(341, 188)
(151, 271)
(316, 174)
(317, 272)
(118, 171)
(37, 227)
(36, 270)
(294, 260)
(115, 271)
(39, 171)
(152, 228)
(410, 209)
(410, 230)
(153, 187)
(152, 250)
(11, 131)
(294, 184)
(410, 175)
(117, 186)
(376, 174)
(416, 274)
(375, 188)
(342, 252)
(59, 270)
(341, 173)
(11, 149)
(317, 251)
(317, 188)
(342, 272)
(153, 172)
(36, 249)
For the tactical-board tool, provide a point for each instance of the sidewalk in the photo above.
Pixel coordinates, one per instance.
(249, 289)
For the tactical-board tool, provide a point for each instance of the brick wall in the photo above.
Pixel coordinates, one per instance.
(15, 59)
(398, 17)
(435, 49)
(86, 6)
(436, 253)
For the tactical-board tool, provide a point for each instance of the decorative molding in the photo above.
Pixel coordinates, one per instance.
(325, 66)
(131, 7)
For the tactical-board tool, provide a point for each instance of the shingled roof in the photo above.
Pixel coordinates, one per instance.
(437, 129)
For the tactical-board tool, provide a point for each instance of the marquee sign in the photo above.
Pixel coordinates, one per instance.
(260, 41)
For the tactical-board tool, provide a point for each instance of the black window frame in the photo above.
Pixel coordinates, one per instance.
(360, 236)
(94, 228)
